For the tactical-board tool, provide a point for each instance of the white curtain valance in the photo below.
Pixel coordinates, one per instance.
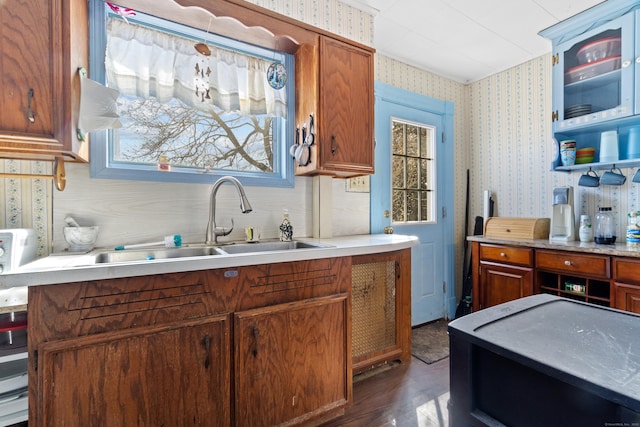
(144, 62)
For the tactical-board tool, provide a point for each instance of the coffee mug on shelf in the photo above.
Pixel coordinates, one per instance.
(568, 156)
(589, 179)
(612, 177)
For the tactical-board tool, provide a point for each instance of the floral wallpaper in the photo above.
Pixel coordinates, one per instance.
(27, 203)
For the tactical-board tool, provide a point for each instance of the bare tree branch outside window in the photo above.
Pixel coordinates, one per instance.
(191, 137)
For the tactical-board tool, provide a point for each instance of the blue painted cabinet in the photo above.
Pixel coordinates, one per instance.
(596, 79)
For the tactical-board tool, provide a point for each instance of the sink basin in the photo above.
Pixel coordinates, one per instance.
(245, 248)
(131, 255)
(151, 254)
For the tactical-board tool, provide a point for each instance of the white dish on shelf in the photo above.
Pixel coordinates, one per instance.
(593, 69)
(599, 50)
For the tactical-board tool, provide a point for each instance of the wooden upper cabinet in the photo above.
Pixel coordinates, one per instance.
(335, 83)
(42, 44)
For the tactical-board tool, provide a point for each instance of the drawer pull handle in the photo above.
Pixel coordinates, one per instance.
(207, 347)
(567, 263)
(503, 255)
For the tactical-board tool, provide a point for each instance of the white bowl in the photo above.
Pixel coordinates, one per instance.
(80, 239)
(599, 49)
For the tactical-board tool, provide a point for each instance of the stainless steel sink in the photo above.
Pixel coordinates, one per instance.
(245, 248)
(129, 255)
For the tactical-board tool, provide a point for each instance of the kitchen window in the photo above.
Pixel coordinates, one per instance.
(189, 113)
(413, 167)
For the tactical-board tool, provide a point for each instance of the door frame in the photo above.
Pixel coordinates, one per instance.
(402, 97)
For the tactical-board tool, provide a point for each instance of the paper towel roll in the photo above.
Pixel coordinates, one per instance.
(98, 109)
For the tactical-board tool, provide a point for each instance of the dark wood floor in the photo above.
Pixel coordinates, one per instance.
(406, 395)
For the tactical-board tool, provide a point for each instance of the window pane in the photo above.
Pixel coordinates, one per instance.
(397, 138)
(412, 141)
(185, 117)
(413, 172)
(412, 205)
(398, 172)
(398, 206)
(424, 206)
(191, 138)
(424, 176)
(425, 142)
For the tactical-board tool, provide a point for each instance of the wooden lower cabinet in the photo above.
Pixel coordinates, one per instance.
(501, 283)
(248, 346)
(602, 278)
(176, 375)
(291, 361)
(627, 297)
(500, 274)
(626, 284)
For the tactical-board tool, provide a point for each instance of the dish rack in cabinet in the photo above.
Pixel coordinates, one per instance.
(14, 408)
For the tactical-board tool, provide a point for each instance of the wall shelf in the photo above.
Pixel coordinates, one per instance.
(630, 163)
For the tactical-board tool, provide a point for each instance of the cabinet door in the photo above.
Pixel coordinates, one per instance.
(501, 283)
(627, 297)
(42, 43)
(173, 375)
(291, 361)
(599, 90)
(345, 125)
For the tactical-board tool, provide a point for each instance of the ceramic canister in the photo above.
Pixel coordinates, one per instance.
(609, 146)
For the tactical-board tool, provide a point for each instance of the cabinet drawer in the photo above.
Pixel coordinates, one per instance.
(507, 254)
(572, 263)
(626, 270)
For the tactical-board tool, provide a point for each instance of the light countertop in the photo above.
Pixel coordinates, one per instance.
(67, 267)
(619, 249)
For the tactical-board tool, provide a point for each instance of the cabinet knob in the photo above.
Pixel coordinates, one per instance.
(567, 263)
(626, 63)
(334, 147)
(503, 255)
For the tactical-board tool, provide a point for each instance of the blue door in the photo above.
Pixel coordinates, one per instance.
(411, 191)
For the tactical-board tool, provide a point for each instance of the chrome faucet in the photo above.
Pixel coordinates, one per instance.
(213, 231)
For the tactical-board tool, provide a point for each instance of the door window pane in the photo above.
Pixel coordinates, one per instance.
(413, 172)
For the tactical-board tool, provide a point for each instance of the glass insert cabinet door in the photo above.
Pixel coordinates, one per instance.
(593, 75)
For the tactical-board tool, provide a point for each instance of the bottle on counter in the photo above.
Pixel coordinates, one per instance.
(604, 232)
(633, 229)
(286, 229)
(586, 230)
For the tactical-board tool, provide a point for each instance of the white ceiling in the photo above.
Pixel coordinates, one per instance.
(465, 40)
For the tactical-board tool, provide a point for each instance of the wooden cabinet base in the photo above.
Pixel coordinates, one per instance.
(158, 350)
